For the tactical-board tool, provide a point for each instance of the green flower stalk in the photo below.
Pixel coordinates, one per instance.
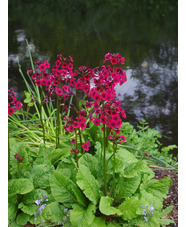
(104, 160)
(114, 164)
(58, 122)
(79, 130)
(9, 176)
(41, 118)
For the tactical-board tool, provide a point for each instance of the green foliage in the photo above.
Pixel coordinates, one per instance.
(146, 139)
(53, 172)
(105, 206)
(80, 216)
(65, 191)
(87, 182)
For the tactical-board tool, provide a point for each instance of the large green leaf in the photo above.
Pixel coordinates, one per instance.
(65, 190)
(33, 195)
(131, 207)
(93, 164)
(106, 208)
(98, 221)
(150, 199)
(58, 154)
(159, 188)
(134, 169)
(80, 216)
(70, 165)
(152, 222)
(166, 211)
(22, 219)
(127, 157)
(12, 207)
(87, 182)
(127, 186)
(54, 212)
(20, 186)
(28, 208)
(40, 175)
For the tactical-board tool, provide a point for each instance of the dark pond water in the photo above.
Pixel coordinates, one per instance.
(146, 37)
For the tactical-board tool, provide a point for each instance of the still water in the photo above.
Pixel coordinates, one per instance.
(149, 47)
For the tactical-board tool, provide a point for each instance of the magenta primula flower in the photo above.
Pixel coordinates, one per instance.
(13, 103)
(11, 110)
(59, 91)
(97, 122)
(18, 105)
(73, 150)
(86, 146)
(123, 138)
(42, 67)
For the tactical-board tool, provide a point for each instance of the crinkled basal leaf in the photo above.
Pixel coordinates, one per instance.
(20, 186)
(98, 149)
(54, 212)
(159, 188)
(153, 222)
(40, 175)
(80, 216)
(93, 165)
(127, 186)
(42, 157)
(33, 195)
(135, 168)
(126, 156)
(14, 224)
(68, 164)
(22, 219)
(12, 207)
(131, 208)
(87, 182)
(106, 208)
(28, 208)
(166, 211)
(65, 190)
(150, 199)
(98, 222)
(58, 154)
(166, 222)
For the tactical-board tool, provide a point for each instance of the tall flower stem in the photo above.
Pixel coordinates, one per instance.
(114, 163)
(104, 160)
(58, 122)
(41, 119)
(77, 150)
(9, 176)
(79, 130)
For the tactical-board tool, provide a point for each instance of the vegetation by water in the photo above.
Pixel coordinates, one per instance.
(75, 161)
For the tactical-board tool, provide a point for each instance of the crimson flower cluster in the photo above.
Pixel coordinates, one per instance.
(54, 82)
(71, 124)
(98, 84)
(13, 103)
(17, 156)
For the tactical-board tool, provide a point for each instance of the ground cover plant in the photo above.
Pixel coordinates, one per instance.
(74, 161)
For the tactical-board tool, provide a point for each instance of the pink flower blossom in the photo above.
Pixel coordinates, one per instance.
(11, 110)
(59, 91)
(18, 105)
(97, 122)
(42, 67)
(73, 141)
(73, 150)
(86, 146)
(123, 138)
